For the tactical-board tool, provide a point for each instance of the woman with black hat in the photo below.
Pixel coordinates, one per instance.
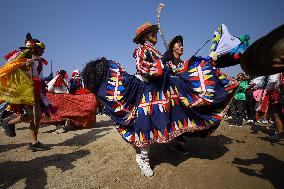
(175, 50)
(172, 58)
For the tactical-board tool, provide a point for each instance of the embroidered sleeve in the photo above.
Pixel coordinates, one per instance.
(180, 68)
(148, 62)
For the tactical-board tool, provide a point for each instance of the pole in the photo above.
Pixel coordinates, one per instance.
(201, 47)
(51, 73)
(159, 10)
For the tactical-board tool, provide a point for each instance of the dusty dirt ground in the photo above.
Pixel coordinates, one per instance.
(99, 158)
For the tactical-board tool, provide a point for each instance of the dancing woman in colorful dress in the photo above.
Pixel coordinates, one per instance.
(154, 105)
(22, 85)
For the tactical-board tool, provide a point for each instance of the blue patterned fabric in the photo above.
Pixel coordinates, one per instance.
(161, 108)
(3, 106)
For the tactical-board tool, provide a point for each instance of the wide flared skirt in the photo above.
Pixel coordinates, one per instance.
(162, 108)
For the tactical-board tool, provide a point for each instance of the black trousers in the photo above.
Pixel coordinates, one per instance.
(250, 107)
(237, 110)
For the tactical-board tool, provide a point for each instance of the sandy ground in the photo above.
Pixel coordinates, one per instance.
(99, 158)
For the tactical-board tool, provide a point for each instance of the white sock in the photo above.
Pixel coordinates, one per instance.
(144, 153)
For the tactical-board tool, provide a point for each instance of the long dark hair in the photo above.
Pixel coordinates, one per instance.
(94, 73)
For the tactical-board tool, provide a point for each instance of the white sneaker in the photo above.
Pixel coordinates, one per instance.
(270, 121)
(264, 121)
(59, 131)
(144, 166)
(250, 121)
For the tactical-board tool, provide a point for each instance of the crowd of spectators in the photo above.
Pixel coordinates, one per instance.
(259, 100)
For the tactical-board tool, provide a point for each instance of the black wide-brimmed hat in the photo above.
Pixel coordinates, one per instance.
(258, 58)
(174, 40)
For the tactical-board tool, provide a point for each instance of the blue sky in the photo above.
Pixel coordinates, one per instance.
(76, 31)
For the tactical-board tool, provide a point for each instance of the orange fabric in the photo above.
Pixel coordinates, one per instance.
(11, 66)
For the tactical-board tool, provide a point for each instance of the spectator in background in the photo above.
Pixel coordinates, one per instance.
(76, 82)
(278, 108)
(275, 91)
(261, 98)
(237, 107)
(59, 83)
(250, 101)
